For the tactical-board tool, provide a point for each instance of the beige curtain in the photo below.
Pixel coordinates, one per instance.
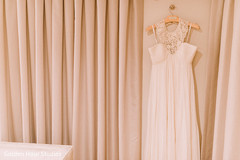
(70, 73)
(221, 133)
(226, 144)
(214, 39)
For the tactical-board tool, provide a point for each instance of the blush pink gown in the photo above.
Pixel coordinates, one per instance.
(172, 128)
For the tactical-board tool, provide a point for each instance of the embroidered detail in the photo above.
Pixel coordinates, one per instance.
(172, 40)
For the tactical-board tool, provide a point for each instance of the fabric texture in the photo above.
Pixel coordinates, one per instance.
(70, 73)
(214, 39)
(226, 141)
(172, 129)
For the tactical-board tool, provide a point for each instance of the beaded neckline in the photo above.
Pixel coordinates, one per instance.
(171, 39)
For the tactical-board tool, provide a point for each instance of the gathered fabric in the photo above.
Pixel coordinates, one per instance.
(70, 73)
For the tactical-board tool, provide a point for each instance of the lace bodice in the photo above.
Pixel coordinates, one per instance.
(172, 43)
(171, 39)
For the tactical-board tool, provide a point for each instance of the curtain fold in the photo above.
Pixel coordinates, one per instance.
(70, 73)
(220, 139)
(226, 142)
(213, 50)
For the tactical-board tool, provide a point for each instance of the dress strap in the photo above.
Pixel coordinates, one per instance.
(189, 33)
(154, 32)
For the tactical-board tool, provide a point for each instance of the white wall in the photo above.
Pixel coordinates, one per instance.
(197, 11)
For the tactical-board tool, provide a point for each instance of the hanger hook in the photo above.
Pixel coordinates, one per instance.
(171, 7)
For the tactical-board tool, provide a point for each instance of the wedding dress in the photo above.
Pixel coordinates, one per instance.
(172, 128)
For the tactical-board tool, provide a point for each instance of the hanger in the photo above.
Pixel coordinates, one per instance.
(173, 19)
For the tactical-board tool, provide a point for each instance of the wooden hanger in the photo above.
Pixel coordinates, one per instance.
(173, 19)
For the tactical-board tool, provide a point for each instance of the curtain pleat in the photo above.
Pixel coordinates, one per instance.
(57, 71)
(40, 89)
(69, 41)
(123, 127)
(30, 5)
(112, 63)
(13, 71)
(47, 28)
(128, 56)
(4, 132)
(214, 39)
(91, 77)
(70, 73)
(223, 74)
(79, 138)
(226, 142)
(101, 80)
(220, 139)
(23, 53)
